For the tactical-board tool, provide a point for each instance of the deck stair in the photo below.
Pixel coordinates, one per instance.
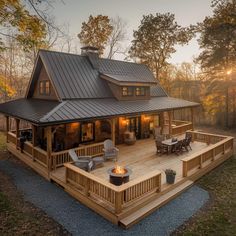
(154, 205)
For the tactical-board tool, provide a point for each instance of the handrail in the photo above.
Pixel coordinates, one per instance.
(207, 154)
(115, 196)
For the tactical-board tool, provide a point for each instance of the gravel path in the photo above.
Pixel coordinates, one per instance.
(79, 220)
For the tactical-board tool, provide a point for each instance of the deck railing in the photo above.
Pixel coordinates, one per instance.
(181, 127)
(59, 158)
(219, 146)
(11, 137)
(114, 197)
(206, 137)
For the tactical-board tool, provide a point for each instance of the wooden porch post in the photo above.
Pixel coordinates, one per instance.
(7, 127)
(113, 130)
(162, 122)
(17, 131)
(192, 117)
(33, 140)
(49, 145)
(170, 113)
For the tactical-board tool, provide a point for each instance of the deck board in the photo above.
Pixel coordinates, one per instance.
(141, 158)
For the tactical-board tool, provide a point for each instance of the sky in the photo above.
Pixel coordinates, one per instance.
(74, 12)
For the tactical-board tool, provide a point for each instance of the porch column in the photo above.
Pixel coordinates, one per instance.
(162, 122)
(192, 117)
(7, 127)
(33, 140)
(49, 145)
(170, 113)
(17, 131)
(113, 130)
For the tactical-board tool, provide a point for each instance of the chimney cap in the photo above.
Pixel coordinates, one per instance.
(89, 48)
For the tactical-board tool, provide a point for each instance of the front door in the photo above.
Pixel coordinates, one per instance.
(135, 126)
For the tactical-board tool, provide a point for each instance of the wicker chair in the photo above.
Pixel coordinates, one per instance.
(161, 148)
(129, 138)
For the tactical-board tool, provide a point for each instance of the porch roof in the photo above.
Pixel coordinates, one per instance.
(46, 112)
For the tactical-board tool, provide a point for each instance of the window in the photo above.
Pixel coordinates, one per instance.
(87, 132)
(44, 87)
(140, 91)
(127, 91)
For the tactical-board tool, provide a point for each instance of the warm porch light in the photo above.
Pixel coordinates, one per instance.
(147, 118)
(125, 122)
(229, 72)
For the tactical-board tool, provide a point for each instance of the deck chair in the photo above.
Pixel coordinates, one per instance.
(110, 151)
(83, 162)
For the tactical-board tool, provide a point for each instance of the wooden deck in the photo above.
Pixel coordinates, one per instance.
(147, 189)
(141, 158)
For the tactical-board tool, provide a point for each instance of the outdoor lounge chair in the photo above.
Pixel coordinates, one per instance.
(110, 151)
(83, 162)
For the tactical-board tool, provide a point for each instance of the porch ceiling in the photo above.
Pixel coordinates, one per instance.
(51, 112)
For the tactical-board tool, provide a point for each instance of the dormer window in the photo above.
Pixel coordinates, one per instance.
(44, 87)
(127, 91)
(140, 91)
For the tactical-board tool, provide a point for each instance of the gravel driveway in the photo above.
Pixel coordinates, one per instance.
(80, 220)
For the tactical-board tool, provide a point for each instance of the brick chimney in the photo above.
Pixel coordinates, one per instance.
(92, 54)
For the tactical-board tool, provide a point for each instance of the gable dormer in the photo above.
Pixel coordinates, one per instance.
(41, 85)
(128, 87)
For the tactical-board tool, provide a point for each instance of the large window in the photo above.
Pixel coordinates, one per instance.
(44, 87)
(87, 132)
(127, 91)
(140, 91)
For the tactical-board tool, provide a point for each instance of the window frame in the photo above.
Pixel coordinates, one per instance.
(130, 91)
(43, 88)
(140, 89)
(81, 133)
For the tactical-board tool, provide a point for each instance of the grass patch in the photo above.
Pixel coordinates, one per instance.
(220, 217)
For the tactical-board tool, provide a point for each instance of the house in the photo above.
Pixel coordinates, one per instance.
(78, 101)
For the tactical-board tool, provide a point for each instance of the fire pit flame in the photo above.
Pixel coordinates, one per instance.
(119, 170)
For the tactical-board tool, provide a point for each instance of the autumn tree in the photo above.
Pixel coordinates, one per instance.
(96, 32)
(218, 57)
(28, 29)
(218, 39)
(155, 40)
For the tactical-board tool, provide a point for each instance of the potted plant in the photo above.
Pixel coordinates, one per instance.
(170, 176)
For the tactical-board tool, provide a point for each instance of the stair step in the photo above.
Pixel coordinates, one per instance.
(152, 206)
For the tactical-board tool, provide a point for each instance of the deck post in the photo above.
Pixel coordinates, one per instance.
(118, 202)
(162, 122)
(17, 132)
(170, 113)
(192, 117)
(49, 146)
(33, 140)
(7, 128)
(113, 130)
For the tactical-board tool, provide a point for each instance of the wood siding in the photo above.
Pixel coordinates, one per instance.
(43, 76)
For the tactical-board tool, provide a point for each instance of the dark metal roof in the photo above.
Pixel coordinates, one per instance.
(75, 76)
(44, 112)
(99, 108)
(157, 91)
(28, 109)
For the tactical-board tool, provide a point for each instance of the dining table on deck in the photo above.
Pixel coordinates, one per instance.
(169, 143)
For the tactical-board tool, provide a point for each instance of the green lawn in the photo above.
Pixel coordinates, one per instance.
(219, 217)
